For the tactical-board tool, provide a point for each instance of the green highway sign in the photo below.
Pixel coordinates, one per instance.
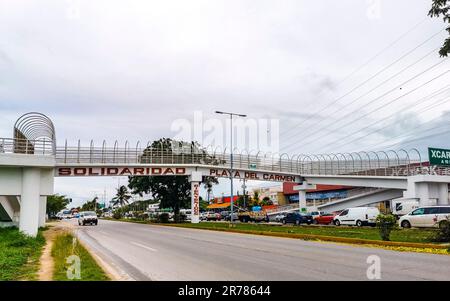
(438, 156)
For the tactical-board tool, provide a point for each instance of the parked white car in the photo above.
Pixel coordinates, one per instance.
(359, 216)
(426, 217)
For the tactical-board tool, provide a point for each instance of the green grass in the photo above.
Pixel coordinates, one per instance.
(399, 235)
(404, 235)
(65, 246)
(19, 254)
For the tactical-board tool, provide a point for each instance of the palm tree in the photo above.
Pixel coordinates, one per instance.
(208, 185)
(94, 203)
(122, 196)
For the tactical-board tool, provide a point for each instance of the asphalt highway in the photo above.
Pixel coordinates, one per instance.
(151, 252)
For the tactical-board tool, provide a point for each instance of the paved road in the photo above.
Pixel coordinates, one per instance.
(145, 252)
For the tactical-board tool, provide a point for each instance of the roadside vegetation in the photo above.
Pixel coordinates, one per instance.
(396, 235)
(66, 245)
(365, 233)
(19, 254)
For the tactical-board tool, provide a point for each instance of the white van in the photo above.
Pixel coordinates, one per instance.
(402, 207)
(359, 216)
(187, 213)
(426, 217)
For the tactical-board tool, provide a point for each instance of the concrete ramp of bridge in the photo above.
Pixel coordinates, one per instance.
(7, 209)
(363, 199)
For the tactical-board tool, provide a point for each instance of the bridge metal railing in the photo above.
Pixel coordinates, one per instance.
(383, 163)
(27, 147)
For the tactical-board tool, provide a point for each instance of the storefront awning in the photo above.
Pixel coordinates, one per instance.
(219, 206)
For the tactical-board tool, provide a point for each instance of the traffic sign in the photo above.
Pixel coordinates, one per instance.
(439, 156)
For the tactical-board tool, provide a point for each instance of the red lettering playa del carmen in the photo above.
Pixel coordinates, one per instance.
(250, 175)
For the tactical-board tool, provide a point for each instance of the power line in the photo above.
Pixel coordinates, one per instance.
(441, 101)
(407, 142)
(364, 82)
(379, 85)
(379, 97)
(383, 50)
(412, 131)
(390, 102)
(420, 101)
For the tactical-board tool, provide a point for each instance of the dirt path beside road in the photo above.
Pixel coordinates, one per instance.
(45, 272)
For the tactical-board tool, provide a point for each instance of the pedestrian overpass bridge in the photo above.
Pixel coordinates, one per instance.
(31, 159)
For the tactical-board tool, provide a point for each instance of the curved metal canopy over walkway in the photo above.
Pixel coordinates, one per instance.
(34, 133)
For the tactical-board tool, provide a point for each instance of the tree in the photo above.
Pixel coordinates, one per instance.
(203, 204)
(438, 8)
(56, 203)
(266, 201)
(122, 196)
(209, 182)
(242, 201)
(254, 201)
(92, 205)
(385, 225)
(173, 191)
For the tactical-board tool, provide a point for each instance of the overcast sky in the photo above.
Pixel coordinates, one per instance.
(344, 75)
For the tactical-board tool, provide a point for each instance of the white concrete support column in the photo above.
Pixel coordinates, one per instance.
(443, 194)
(29, 201)
(42, 210)
(302, 194)
(195, 179)
(302, 200)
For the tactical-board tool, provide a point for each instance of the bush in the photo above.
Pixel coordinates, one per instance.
(117, 215)
(163, 218)
(385, 224)
(179, 218)
(443, 235)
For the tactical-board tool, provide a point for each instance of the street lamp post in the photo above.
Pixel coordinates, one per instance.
(231, 156)
(243, 190)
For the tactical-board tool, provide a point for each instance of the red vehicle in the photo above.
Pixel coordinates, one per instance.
(325, 219)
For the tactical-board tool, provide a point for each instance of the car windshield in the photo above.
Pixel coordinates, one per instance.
(89, 213)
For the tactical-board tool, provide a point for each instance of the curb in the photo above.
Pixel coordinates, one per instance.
(347, 240)
(357, 241)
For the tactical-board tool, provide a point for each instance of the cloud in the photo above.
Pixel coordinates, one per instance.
(107, 71)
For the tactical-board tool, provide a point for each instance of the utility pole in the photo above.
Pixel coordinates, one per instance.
(231, 155)
(243, 190)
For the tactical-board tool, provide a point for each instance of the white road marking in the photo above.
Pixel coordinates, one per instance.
(143, 246)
